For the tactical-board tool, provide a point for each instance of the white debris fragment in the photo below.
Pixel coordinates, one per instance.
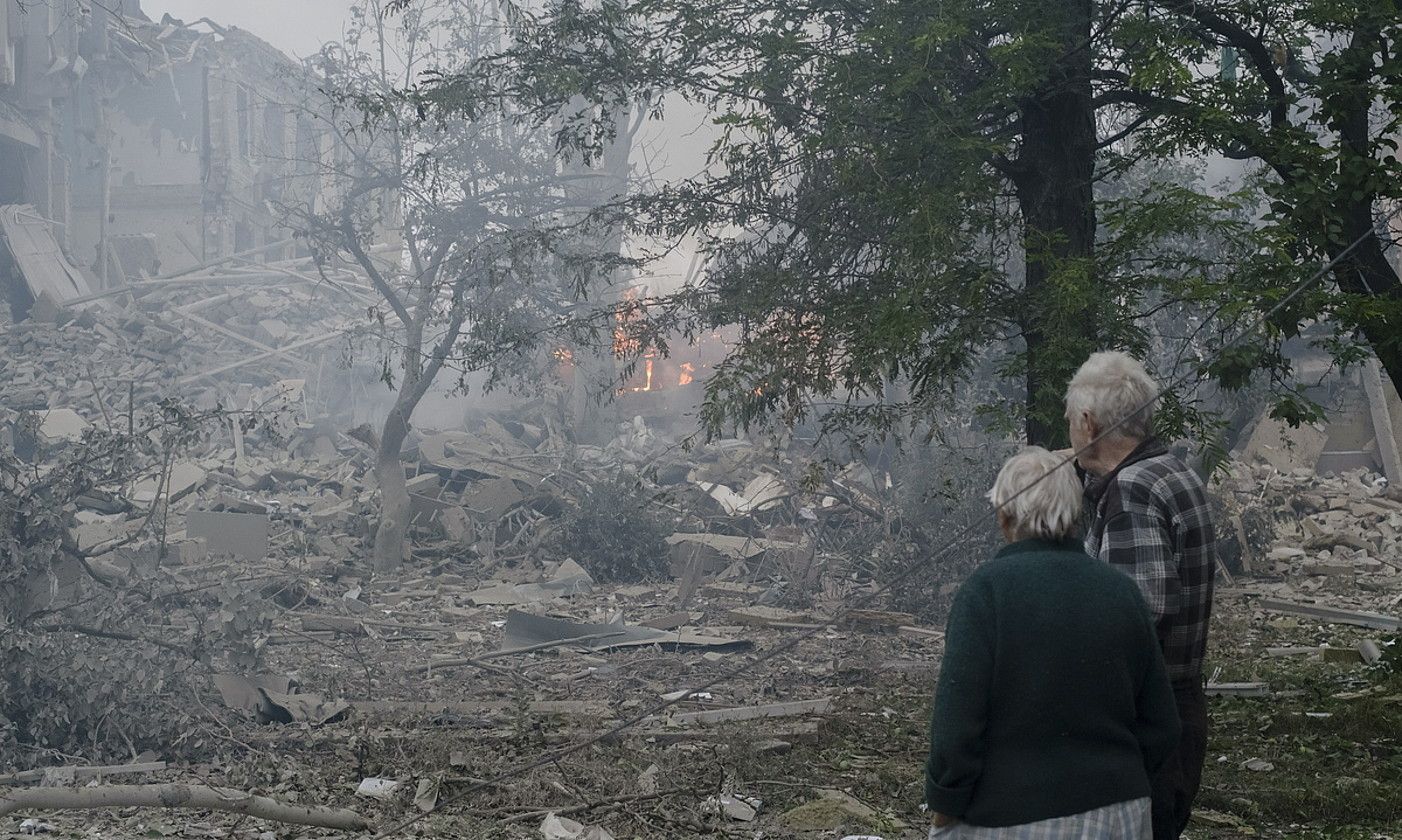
(375, 788)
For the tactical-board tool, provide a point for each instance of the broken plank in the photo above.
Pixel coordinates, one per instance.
(570, 708)
(879, 619)
(1238, 689)
(258, 357)
(920, 634)
(771, 617)
(1332, 615)
(739, 713)
(797, 732)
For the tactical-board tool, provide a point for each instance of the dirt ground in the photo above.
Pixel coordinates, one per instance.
(1318, 757)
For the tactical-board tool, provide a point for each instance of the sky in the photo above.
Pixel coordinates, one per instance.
(298, 27)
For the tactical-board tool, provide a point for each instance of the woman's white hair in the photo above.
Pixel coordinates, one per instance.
(1038, 493)
(1116, 390)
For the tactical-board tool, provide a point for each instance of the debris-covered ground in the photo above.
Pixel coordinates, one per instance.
(558, 590)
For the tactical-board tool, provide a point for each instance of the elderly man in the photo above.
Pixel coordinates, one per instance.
(1150, 519)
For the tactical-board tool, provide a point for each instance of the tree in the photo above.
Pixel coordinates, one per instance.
(1311, 93)
(899, 188)
(480, 206)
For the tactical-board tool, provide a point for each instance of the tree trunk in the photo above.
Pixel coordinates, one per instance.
(596, 368)
(1366, 271)
(1053, 178)
(393, 528)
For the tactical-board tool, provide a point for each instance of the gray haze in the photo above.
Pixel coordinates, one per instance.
(298, 27)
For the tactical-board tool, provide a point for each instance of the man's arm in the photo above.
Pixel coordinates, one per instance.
(1141, 546)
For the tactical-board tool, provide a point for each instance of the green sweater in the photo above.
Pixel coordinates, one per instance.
(1052, 697)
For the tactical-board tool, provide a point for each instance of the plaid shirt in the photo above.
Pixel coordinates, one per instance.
(1150, 518)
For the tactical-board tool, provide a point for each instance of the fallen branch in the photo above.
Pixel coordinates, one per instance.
(117, 635)
(196, 797)
(25, 777)
(611, 803)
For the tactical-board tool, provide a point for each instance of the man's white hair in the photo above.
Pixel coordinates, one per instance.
(1049, 507)
(1114, 388)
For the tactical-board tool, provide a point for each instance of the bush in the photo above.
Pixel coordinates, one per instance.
(615, 533)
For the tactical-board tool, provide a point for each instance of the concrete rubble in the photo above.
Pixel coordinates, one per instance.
(1316, 548)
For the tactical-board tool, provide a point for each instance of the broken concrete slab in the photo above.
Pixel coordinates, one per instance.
(239, 534)
(185, 477)
(492, 497)
(460, 455)
(1275, 443)
(457, 525)
(62, 425)
(568, 580)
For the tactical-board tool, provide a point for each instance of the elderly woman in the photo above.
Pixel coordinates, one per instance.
(1053, 708)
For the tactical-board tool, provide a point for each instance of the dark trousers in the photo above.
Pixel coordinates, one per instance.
(1176, 785)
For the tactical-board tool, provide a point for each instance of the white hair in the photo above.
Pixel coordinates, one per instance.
(1038, 493)
(1114, 389)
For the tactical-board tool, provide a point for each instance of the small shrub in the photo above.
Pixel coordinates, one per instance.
(615, 533)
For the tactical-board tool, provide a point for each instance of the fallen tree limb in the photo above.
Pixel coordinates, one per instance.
(195, 797)
(84, 773)
(610, 803)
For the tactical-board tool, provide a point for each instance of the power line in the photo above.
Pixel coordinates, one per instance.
(861, 601)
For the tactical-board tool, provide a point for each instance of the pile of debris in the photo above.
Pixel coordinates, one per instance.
(175, 337)
(1325, 548)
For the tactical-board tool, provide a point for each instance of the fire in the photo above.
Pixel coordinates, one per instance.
(624, 344)
(652, 370)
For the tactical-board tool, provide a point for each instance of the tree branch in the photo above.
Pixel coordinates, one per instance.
(195, 797)
(1241, 38)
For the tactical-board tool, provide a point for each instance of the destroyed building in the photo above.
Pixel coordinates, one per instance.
(115, 128)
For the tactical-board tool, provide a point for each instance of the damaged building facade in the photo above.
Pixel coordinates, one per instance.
(137, 147)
